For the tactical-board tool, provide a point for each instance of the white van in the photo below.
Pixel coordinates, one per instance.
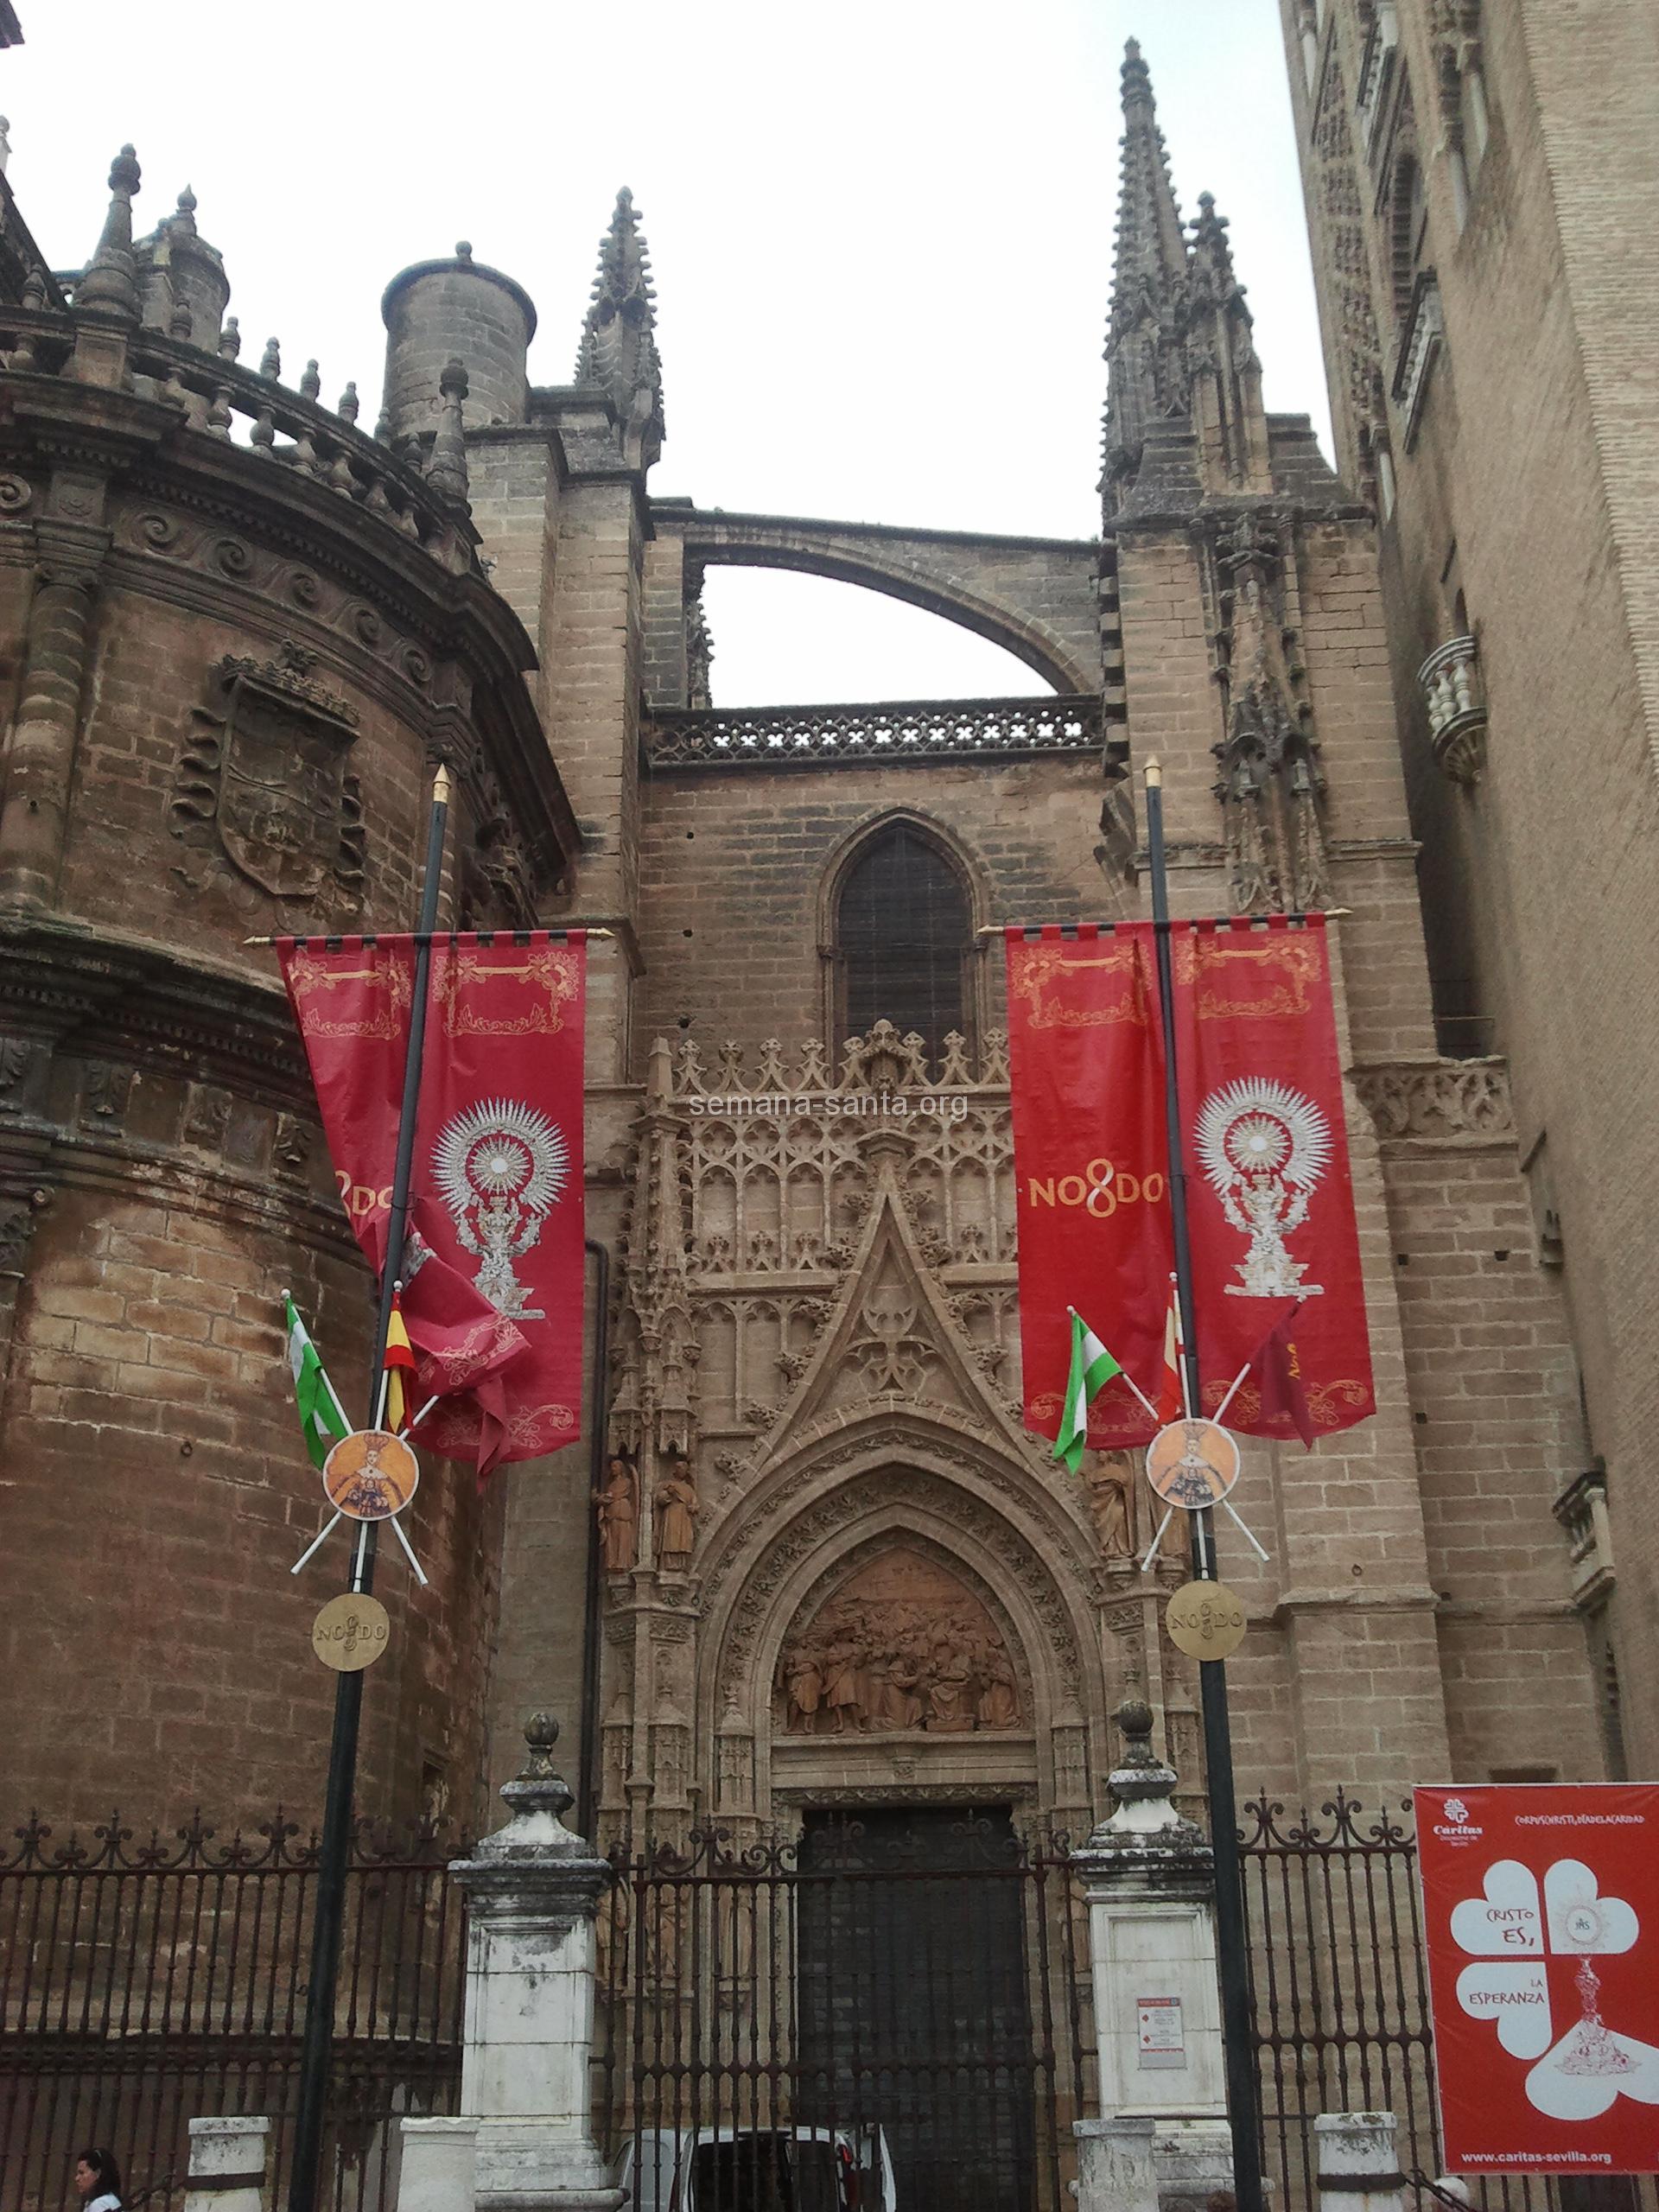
(728, 2168)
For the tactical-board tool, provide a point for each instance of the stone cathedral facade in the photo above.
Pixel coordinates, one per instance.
(808, 1557)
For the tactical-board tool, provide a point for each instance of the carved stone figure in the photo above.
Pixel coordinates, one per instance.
(619, 1517)
(1111, 1506)
(903, 1646)
(677, 1508)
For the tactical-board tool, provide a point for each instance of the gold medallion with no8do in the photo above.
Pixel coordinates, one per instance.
(350, 1632)
(1205, 1620)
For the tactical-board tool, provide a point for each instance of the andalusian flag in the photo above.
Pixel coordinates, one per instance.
(1092, 1367)
(322, 1416)
(399, 1361)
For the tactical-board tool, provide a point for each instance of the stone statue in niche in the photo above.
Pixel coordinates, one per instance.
(903, 1647)
(676, 1500)
(1110, 1483)
(619, 1517)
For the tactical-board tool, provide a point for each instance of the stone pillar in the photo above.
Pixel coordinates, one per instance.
(1148, 1879)
(525, 2136)
(1358, 2162)
(228, 2166)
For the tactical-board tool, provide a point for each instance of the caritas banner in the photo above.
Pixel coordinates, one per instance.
(1270, 1206)
(1540, 1914)
(492, 1266)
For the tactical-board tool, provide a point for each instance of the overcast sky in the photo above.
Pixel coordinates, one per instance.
(881, 234)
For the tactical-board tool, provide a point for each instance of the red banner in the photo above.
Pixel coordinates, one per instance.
(1090, 1167)
(1540, 1915)
(1270, 1201)
(492, 1268)
(1269, 1196)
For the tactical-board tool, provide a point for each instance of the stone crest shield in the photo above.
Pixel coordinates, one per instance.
(266, 780)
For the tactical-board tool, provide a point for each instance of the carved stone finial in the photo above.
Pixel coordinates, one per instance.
(184, 218)
(178, 320)
(447, 470)
(110, 286)
(311, 382)
(270, 361)
(536, 1798)
(618, 343)
(230, 339)
(463, 249)
(349, 404)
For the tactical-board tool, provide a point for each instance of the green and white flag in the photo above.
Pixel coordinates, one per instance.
(320, 1414)
(1092, 1366)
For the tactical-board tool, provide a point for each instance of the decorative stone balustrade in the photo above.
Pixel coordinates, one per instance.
(1457, 709)
(1420, 348)
(882, 1060)
(288, 428)
(958, 729)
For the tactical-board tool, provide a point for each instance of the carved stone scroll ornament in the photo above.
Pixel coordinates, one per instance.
(1439, 1102)
(262, 800)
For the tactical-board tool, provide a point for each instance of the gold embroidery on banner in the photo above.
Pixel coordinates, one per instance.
(1326, 1401)
(1295, 959)
(1043, 967)
(550, 970)
(308, 977)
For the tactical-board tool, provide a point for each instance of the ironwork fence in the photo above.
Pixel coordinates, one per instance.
(902, 2002)
(142, 1984)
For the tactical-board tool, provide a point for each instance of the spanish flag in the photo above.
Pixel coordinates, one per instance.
(399, 1361)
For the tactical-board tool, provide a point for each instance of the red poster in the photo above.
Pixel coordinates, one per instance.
(1270, 1208)
(492, 1271)
(1270, 1205)
(1090, 1168)
(1541, 1913)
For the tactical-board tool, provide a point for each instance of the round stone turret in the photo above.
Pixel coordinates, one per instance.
(181, 280)
(438, 309)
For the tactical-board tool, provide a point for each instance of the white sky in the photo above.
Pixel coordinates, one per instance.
(881, 234)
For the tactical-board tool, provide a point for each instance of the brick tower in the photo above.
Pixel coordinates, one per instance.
(1482, 200)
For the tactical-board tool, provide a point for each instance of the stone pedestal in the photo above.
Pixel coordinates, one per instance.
(228, 2166)
(1149, 1882)
(524, 2142)
(1357, 2156)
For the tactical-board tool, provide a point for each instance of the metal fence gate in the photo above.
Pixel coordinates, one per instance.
(1340, 1996)
(901, 1996)
(140, 1987)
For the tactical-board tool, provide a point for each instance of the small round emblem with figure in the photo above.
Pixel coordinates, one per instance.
(370, 1475)
(350, 1633)
(1192, 1463)
(1205, 1620)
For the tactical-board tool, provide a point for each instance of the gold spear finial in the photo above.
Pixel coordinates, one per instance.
(440, 787)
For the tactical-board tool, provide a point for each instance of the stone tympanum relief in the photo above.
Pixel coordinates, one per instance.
(903, 1646)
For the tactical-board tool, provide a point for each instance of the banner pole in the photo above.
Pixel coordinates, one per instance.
(1231, 1961)
(334, 1854)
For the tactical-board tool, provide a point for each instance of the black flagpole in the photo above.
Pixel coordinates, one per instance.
(1231, 1961)
(334, 1852)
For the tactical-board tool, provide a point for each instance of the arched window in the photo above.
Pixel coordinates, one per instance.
(903, 937)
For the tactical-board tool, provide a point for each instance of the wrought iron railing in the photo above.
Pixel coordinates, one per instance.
(908, 729)
(146, 1981)
(920, 2011)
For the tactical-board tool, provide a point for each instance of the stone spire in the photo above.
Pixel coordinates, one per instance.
(1146, 361)
(619, 344)
(1182, 370)
(1224, 372)
(110, 286)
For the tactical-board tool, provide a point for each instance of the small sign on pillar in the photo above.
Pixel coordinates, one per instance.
(1161, 2038)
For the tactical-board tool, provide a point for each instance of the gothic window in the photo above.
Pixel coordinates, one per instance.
(1407, 218)
(903, 939)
